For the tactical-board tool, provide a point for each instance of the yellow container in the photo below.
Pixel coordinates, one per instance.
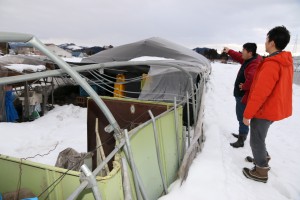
(118, 86)
(144, 79)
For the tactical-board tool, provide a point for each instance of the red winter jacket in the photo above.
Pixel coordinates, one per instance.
(271, 92)
(249, 71)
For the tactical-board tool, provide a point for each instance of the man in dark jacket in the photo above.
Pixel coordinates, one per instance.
(249, 60)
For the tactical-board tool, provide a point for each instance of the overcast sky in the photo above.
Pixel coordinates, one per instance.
(192, 23)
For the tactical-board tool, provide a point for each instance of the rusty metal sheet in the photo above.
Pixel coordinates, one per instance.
(128, 114)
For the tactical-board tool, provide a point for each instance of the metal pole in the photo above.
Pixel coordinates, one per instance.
(158, 152)
(197, 101)
(188, 118)
(133, 168)
(52, 92)
(198, 95)
(17, 37)
(193, 100)
(141, 185)
(183, 143)
(126, 181)
(92, 181)
(176, 130)
(63, 65)
(83, 185)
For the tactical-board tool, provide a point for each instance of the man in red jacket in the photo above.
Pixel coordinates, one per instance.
(249, 60)
(270, 99)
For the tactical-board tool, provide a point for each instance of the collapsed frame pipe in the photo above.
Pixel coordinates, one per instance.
(73, 72)
(133, 167)
(158, 152)
(83, 185)
(18, 37)
(176, 130)
(188, 119)
(92, 181)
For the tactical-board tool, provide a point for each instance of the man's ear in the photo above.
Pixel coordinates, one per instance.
(273, 43)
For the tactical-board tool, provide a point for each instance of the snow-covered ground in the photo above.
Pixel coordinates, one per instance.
(216, 173)
(63, 127)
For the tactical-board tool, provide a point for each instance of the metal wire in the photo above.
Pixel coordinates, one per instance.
(126, 91)
(59, 179)
(112, 77)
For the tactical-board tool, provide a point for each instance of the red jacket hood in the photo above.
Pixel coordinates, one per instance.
(284, 58)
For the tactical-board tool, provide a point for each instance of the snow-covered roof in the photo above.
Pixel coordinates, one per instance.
(153, 47)
(22, 67)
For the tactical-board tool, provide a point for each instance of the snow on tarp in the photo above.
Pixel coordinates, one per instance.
(73, 59)
(23, 62)
(22, 67)
(166, 82)
(145, 58)
(153, 47)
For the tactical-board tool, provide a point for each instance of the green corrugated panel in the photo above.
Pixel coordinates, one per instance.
(37, 177)
(144, 152)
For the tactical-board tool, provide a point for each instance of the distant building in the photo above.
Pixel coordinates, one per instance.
(24, 50)
(78, 54)
(4, 48)
(107, 47)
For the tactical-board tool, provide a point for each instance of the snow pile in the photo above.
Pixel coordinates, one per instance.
(64, 125)
(22, 67)
(216, 173)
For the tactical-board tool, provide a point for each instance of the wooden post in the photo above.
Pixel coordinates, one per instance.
(100, 152)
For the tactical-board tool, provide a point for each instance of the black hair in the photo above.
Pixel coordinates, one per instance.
(250, 47)
(280, 35)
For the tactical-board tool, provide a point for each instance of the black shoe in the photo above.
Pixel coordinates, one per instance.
(237, 136)
(251, 160)
(239, 142)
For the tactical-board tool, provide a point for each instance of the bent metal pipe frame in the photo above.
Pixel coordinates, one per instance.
(38, 75)
(30, 39)
(73, 72)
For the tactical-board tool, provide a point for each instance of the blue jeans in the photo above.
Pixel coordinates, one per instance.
(239, 109)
